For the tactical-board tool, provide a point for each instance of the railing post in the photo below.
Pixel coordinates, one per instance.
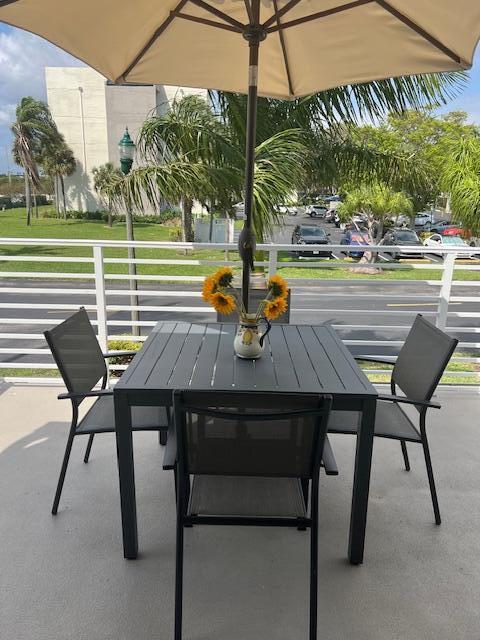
(100, 297)
(272, 261)
(445, 289)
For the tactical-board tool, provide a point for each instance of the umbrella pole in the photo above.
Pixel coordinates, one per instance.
(254, 34)
(250, 163)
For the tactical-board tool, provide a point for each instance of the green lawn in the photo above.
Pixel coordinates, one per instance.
(13, 225)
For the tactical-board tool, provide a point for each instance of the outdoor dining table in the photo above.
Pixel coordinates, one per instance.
(302, 359)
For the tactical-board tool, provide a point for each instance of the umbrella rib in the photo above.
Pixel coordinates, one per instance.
(210, 23)
(318, 15)
(248, 9)
(422, 32)
(216, 12)
(284, 49)
(158, 32)
(288, 7)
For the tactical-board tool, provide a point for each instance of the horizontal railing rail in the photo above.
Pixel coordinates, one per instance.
(31, 300)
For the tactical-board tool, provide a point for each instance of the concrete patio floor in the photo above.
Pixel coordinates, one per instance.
(64, 577)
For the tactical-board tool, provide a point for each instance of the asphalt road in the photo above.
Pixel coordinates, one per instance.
(312, 303)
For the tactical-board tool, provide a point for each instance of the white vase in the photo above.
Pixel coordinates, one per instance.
(248, 342)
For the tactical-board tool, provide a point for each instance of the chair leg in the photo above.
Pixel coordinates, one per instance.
(314, 560)
(162, 437)
(405, 455)
(63, 470)
(431, 481)
(88, 449)
(179, 578)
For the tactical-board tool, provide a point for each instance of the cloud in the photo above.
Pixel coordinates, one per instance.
(23, 58)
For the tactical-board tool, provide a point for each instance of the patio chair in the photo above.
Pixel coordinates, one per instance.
(416, 372)
(81, 363)
(249, 465)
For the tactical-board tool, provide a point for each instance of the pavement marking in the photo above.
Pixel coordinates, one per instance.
(417, 304)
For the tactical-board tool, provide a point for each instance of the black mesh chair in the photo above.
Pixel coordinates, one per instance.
(250, 466)
(417, 372)
(81, 363)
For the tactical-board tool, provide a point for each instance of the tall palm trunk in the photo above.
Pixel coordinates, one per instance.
(35, 204)
(187, 219)
(63, 197)
(28, 203)
(110, 217)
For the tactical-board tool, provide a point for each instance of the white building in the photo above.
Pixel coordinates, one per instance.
(92, 115)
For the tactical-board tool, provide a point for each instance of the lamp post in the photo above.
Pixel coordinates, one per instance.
(126, 148)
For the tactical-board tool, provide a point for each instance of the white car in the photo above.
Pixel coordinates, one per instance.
(288, 209)
(316, 210)
(437, 240)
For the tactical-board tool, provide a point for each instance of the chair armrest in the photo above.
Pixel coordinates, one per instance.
(328, 459)
(375, 359)
(85, 394)
(117, 354)
(403, 399)
(170, 455)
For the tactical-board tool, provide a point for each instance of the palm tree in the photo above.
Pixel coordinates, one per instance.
(32, 131)
(58, 161)
(326, 118)
(190, 154)
(196, 152)
(105, 179)
(461, 178)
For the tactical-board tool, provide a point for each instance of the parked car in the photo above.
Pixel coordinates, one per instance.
(355, 238)
(287, 209)
(402, 238)
(316, 210)
(424, 218)
(447, 228)
(306, 234)
(439, 240)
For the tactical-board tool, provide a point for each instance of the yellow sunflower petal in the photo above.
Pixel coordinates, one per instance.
(223, 303)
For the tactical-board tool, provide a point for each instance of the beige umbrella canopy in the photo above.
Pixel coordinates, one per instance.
(311, 45)
(291, 48)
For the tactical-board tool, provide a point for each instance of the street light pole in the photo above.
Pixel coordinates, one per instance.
(126, 148)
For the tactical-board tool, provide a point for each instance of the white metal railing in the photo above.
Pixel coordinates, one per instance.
(438, 295)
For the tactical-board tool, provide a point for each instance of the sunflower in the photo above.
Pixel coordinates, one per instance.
(209, 288)
(223, 277)
(275, 308)
(223, 303)
(278, 286)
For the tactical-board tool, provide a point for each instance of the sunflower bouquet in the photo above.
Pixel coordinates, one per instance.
(218, 290)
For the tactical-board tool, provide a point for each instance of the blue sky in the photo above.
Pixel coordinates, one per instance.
(23, 58)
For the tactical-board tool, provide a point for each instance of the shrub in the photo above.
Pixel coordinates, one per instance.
(122, 344)
(175, 234)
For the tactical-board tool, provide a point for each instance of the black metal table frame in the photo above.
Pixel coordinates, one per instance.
(125, 399)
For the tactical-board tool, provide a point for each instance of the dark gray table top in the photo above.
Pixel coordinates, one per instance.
(297, 358)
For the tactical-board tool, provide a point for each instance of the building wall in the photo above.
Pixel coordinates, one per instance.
(92, 115)
(76, 96)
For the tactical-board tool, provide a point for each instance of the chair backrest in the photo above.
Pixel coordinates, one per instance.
(76, 351)
(422, 359)
(254, 434)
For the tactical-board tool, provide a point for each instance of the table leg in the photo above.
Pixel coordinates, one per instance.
(123, 430)
(361, 482)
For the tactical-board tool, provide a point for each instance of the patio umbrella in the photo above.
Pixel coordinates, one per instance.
(278, 48)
